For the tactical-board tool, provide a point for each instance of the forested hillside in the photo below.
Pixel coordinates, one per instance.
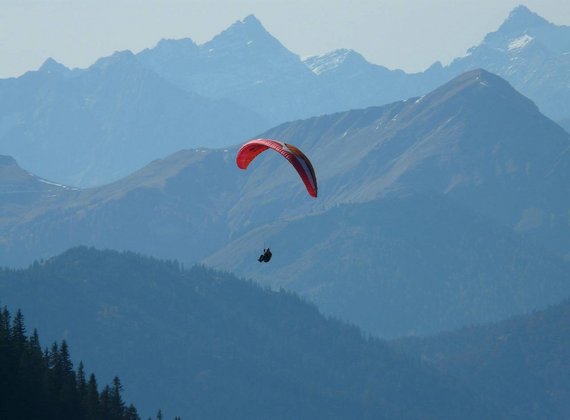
(522, 363)
(42, 384)
(214, 346)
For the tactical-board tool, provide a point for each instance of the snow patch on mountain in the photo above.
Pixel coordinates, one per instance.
(327, 62)
(55, 184)
(520, 42)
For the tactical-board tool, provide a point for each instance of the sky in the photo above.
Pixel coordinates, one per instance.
(405, 34)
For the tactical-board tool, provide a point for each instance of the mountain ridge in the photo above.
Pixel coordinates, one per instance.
(479, 148)
(235, 86)
(103, 114)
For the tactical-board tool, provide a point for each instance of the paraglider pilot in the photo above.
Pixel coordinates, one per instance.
(266, 256)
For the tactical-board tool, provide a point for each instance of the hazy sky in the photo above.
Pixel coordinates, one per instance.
(405, 34)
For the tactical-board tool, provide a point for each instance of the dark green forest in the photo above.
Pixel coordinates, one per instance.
(42, 384)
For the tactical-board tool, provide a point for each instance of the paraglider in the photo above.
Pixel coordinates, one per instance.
(300, 162)
(266, 256)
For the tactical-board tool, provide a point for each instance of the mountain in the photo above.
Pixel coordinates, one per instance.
(352, 82)
(127, 110)
(528, 51)
(474, 139)
(532, 54)
(22, 194)
(173, 208)
(523, 362)
(470, 174)
(244, 64)
(477, 142)
(203, 344)
(402, 265)
(21, 187)
(111, 118)
(248, 66)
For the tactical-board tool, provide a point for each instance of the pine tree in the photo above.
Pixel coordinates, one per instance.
(116, 401)
(81, 385)
(105, 403)
(34, 345)
(64, 365)
(5, 350)
(80, 380)
(67, 392)
(91, 403)
(30, 392)
(131, 413)
(4, 325)
(18, 332)
(6, 361)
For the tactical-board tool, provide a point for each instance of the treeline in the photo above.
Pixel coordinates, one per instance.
(42, 384)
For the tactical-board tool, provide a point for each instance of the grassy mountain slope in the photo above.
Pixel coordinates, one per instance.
(404, 264)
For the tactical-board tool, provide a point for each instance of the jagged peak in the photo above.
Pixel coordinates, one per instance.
(250, 20)
(52, 66)
(117, 57)
(249, 25)
(248, 31)
(520, 19)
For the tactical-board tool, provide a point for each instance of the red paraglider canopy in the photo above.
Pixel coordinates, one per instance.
(300, 162)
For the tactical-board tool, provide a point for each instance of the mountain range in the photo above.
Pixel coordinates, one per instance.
(86, 127)
(424, 184)
(126, 110)
(443, 205)
(532, 54)
(434, 212)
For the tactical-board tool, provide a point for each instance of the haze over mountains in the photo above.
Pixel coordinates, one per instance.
(444, 202)
(126, 110)
(410, 194)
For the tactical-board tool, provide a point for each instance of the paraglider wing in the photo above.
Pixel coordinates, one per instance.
(300, 162)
